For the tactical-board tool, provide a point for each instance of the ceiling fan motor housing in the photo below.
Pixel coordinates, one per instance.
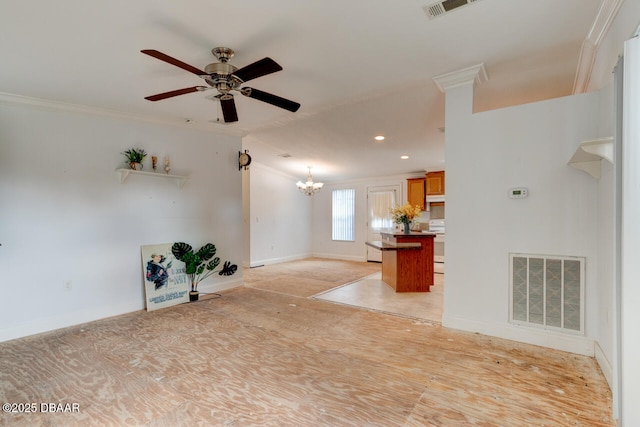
(220, 75)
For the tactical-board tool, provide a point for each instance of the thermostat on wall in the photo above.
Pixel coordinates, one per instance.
(518, 193)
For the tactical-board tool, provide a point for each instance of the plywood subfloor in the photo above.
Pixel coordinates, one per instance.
(264, 358)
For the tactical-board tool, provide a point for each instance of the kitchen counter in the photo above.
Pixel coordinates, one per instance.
(385, 246)
(407, 260)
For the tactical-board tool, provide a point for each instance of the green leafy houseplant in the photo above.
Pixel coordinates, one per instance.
(134, 155)
(202, 263)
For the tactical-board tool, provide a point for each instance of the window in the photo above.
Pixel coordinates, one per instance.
(381, 201)
(343, 207)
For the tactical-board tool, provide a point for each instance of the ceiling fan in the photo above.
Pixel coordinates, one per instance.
(225, 77)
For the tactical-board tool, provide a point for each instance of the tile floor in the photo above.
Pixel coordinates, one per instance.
(374, 294)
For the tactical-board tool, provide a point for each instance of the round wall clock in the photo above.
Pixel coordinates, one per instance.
(244, 160)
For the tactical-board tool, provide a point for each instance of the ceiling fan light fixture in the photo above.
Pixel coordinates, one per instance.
(379, 138)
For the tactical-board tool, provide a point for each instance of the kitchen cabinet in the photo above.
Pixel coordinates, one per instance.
(416, 191)
(435, 183)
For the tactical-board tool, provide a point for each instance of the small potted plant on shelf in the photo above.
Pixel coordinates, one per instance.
(135, 156)
(200, 264)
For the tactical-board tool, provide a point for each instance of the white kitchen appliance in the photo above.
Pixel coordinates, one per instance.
(437, 226)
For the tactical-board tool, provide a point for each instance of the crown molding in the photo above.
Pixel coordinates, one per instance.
(476, 74)
(601, 24)
(47, 104)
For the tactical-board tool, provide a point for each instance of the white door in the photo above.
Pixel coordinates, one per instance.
(380, 201)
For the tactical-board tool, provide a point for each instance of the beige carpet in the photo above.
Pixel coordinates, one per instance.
(307, 277)
(357, 284)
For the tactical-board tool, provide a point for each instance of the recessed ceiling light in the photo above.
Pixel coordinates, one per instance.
(379, 138)
(404, 157)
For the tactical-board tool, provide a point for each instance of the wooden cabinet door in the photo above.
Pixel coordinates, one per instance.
(435, 183)
(416, 192)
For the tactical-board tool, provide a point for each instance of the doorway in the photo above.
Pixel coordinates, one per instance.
(380, 201)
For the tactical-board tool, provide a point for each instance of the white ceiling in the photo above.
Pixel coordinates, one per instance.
(358, 67)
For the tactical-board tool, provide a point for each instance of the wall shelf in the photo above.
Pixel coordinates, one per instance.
(588, 155)
(123, 174)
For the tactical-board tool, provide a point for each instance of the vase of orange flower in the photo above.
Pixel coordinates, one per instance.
(405, 215)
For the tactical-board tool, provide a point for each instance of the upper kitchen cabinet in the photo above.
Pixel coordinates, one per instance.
(435, 183)
(416, 190)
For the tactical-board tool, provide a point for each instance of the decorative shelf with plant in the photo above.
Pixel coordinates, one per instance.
(123, 173)
(134, 157)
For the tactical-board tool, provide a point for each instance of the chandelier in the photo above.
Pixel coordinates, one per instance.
(309, 188)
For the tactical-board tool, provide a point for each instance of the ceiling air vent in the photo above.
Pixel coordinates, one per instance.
(443, 7)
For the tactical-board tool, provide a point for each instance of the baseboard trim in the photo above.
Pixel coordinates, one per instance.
(605, 365)
(68, 319)
(93, 314)
(261, 262)
(220, 286)
(550, 339)
(357, 258)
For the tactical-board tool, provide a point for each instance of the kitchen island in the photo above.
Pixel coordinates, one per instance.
(407, 260)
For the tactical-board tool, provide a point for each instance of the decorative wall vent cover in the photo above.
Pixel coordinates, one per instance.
(440, 8)
(547, 292)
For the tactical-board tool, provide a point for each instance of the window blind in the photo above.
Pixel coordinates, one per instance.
(343, 206)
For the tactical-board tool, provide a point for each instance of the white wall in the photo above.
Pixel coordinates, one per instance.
(605, 331)
(323, 245)
(246, 218)
(629, 292)
(286, 225)
(65, 218)
(280, 219)
(488, 153)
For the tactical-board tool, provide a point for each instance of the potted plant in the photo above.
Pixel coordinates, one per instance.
(134, 157)
(405, 215)
(200, 264)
